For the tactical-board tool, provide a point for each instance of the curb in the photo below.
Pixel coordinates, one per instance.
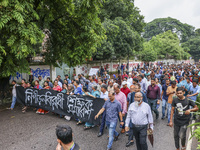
(189, 143)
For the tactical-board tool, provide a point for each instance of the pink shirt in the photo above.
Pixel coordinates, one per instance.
(121, 97)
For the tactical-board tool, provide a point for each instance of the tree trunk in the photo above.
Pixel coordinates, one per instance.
(4, 89)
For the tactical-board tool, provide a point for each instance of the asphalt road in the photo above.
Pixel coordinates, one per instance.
(31, 131)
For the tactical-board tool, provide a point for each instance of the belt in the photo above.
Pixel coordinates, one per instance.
(138, 126)
(152, 98)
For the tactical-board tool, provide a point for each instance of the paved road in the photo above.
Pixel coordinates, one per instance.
(31, 131)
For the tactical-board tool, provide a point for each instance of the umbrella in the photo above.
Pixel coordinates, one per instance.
(150, 136)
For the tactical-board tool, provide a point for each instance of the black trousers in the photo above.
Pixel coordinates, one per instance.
(140, 133)
(180, 133)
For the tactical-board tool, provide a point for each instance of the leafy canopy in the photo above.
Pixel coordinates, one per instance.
(73, 30)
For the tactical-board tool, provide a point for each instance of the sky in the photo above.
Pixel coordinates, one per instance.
(186, 11)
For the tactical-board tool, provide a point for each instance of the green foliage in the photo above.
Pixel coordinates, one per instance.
(164, 46)
(123, 25)
(73, 27)
(148, 54)
(18, 35)
(160, 25)
(193, 46)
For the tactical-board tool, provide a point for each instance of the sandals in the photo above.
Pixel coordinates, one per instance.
(183, 148)
(86, 127)
(79, 123)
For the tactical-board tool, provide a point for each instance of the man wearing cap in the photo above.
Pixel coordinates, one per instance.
(67, 78)
(121, 97)
(124, 88)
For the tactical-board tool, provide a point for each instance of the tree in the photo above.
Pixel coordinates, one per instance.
(161, 25)
(74, 29)
(125, 9)
(121, 40)
(164, 46)
(123, 25)
(193, 47)
(148, 54)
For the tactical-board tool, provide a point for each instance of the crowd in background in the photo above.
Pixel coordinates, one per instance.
(152, 84)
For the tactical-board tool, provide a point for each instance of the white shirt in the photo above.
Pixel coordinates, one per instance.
(104, 95)
(130, 81)
(141, 115)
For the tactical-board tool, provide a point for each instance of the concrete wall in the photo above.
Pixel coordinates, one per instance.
(41, 70)
(112, 65)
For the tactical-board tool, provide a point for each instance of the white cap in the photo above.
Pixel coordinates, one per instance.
(124, 83)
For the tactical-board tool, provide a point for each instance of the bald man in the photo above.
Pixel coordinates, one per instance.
(139, 113)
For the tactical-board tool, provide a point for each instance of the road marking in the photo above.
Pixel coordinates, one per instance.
(189, 144)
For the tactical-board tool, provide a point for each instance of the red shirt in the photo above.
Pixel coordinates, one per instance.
(57, 88)
(124, 76)
(125, 91)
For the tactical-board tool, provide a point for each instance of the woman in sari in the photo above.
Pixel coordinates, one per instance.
(56, 87)
(42, 111)
(64, 90)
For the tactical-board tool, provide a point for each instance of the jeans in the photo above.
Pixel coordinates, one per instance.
(164, 104)
(140, 134)
(103, 122)
(180, 132)
(112, 132)
(169, 107)
(13, 102)
(153, 103)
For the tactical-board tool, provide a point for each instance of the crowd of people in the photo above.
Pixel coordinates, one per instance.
(133, 97)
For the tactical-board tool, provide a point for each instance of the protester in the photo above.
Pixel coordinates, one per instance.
(171, 92)
(164, 97)
(56, 87)
(110, 86)
(50, 83)
(37, 86)
(14, 95)
(113, 109)
(121, 97)
(41, 81)
(67, 78)
(140, 115)
(104, 95)
(64, 89)
(70, 89)
(65, 138)
(23, 83)
(153, 96)
(181, 117)
(142, 83)
(77, 89)
(124, 88)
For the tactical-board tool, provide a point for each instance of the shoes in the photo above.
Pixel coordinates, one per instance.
(163, 118)
(116, 138)
(123, 131)
(129, 143)
(108, 148)
(99, 134)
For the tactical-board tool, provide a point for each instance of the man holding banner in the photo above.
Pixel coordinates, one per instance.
(112, 108)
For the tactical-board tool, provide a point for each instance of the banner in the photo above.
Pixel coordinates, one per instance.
(93, 71)
(82, 107)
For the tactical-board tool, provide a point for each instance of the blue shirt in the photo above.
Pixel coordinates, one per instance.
(194, 90)
(131, 99)
(112, 110)
(158, 76)
(69, 81)
(78, 90)
(51, 84)
(95, 94)
(164, 88)
(178, 77)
